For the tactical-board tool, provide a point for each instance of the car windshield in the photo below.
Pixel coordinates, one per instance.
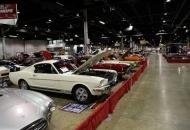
(64, 67)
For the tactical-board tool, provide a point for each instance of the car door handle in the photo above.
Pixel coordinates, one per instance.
(34, 75)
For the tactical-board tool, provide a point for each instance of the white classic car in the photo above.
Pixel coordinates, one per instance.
(59, 57)
(9, 63)
(83, 83)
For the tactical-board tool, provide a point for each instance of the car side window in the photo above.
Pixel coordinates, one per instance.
(44, 68)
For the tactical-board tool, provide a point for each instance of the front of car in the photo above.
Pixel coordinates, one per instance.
(25, 110)
(108, 77)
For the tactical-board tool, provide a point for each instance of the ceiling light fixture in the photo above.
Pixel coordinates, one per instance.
(165, 13)
(104, 37)
(77, 15)
(70, 26)
(161, 33)
(48, 30)
(168, 0)
(184, 26)
(123, 19)
(186, 30)
(129, 28)
(12, 36)
(76, 35)
(101, 22)
(59, 3)
(164, 21)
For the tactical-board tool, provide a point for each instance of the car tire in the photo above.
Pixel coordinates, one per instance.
(82, 94)
(23, 85)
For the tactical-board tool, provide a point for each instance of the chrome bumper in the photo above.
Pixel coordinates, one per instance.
(106, 87)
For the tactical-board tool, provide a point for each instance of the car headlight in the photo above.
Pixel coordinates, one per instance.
(101, 82)
(51, 106)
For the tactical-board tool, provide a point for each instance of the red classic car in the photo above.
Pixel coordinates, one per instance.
(121, 69)
(81, 59)
(179, 56)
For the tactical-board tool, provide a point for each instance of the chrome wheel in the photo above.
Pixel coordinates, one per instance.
(81, 94)
(23, 85)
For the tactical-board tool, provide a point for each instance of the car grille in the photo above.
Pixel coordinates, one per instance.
(39, 124)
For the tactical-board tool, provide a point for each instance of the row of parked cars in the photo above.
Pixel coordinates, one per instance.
(23, 109)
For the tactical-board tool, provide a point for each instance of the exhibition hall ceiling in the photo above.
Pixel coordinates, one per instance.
(157, 21)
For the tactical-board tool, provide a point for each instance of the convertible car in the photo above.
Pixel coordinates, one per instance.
(24, 110)
(121, 60)
(52, 75)
(121, 68)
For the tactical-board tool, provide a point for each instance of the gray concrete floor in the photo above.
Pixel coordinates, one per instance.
(159, 100)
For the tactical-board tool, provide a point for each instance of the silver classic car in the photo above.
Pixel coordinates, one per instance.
(24, 110)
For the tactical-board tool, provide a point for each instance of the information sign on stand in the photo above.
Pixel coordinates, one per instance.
(8, 14)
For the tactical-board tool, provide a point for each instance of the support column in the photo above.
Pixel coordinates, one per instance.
(24, 46)
(122, 46)
(86, 39)
(3, 43)
(188, 42)
(131, 42)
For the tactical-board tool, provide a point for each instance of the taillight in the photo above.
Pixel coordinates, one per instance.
(5, 74)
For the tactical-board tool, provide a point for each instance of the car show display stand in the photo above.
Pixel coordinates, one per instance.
(107, 108)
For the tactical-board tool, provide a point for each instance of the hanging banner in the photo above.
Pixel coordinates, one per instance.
(8, 14)
(143, 42)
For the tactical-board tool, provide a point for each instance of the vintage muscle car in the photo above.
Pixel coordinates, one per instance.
(59, 57)
(24, 110)
(11, 64)
(133, 58)
(4, 72)
(121, 60)
(6, 67)
(121, 68)
(83, 83)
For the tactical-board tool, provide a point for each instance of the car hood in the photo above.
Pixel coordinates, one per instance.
(126, 53)
(92, 61)
(16, 111)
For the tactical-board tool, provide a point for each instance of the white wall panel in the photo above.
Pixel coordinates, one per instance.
(12, 46)
(35, 45)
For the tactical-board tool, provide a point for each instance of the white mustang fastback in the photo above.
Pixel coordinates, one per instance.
(83, 83)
